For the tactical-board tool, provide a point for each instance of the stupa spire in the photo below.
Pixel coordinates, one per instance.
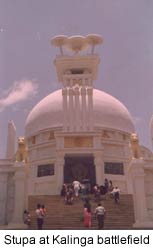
(77, 70)
(76, 44)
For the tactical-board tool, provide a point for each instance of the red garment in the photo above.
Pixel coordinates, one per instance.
(43, 211)
(87, 218)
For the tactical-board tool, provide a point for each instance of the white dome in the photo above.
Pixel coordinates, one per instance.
(108, 113)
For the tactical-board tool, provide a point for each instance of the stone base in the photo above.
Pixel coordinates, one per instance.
(143, 225)
(137, 163)
(12, 226)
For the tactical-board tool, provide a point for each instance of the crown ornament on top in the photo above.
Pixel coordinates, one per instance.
(76, 44)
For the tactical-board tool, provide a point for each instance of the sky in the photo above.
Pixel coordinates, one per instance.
(27, 73)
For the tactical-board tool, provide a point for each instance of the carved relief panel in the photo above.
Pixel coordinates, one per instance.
(78, 142)
(114, 150)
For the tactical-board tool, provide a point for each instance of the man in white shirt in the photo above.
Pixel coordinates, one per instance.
(76, 186)
(116, 194)
(100, 214)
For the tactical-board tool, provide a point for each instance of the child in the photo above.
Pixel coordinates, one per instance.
(26, 218)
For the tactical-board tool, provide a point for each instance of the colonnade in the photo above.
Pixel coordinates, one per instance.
(77, 106)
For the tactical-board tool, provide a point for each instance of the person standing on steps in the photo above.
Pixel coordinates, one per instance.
(110, 187)
(40, 217)
(63, 190)
(100, 213)
(87, 213)
(106, 184)
(43, 210)
(27, 218)
(116, 194)
(76, 186)
(69, 195)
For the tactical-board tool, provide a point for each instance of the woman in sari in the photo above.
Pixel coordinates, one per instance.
(87, 213)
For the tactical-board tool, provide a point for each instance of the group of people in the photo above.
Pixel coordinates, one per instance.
(103, 190)
(72, 190)
(40, 214)
(69, 191)
(99, 213)
(75, 188)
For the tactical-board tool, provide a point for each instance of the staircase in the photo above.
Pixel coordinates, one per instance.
(61, 216)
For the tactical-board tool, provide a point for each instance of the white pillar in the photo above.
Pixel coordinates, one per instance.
(99, 167)
(77, 109)
(140, 208)
(83, 107)
(90, 84)
(3, 197)
(71, 109)
(71, 83)
(11, 140)
(19, 201)
(90, 107)
(32, 174)
(65, 106)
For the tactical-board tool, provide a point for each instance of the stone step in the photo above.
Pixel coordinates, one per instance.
(61, 216)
